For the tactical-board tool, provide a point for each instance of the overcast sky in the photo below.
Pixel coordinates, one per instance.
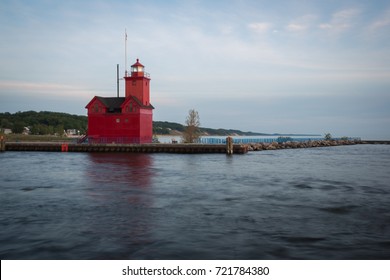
(265, 66)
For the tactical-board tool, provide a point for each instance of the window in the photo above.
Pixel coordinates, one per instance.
(96, 108)
(134, 82)
(118, 120)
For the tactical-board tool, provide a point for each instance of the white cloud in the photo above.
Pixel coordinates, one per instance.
(225, 29)
(341, 21)
(302, 23)
(325, 26)
(44, 89)
(382, 22)
(260, 27)
(295, 27)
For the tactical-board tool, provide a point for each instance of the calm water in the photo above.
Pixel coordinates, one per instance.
(322, 203)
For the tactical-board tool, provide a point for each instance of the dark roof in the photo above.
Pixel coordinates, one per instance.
(111, 102)
(141, 105)
(115, 103)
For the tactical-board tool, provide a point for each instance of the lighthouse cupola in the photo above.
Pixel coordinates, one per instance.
(137, 69)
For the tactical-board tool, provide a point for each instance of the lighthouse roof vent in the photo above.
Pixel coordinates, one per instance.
(137, 64)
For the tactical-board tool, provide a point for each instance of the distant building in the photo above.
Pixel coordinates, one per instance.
(72, 132)
(126, 119)
(7, 131)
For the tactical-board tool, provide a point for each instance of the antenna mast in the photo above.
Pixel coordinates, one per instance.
(125, 52)
(117, 80)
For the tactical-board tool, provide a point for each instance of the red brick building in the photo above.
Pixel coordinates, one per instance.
(126, 119)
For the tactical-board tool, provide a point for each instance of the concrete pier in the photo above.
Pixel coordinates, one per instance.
(124, 148)
(228, 148)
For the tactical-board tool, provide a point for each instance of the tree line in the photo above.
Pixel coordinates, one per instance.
(42, 123)
(51, 123)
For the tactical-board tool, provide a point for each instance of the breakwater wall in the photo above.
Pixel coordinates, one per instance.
(124, 148)
(297, 145)
(383, 142)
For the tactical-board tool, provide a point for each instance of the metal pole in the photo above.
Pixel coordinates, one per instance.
(125, 52)
(117, 80)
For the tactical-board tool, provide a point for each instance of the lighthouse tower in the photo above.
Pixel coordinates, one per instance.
(137, 87)
(137, 84)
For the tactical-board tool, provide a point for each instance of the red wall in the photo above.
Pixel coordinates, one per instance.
(132, 127)
(146, 125)
(138, 87)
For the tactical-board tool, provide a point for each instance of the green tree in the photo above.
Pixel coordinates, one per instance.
(328, 136)
(5, 123)
(191, 132)
(59, 130)
(39, 129)
(18, 127)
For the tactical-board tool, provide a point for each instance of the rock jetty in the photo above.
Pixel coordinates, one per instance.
(298, 145)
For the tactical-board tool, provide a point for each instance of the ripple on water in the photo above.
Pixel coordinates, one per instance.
(340, 210)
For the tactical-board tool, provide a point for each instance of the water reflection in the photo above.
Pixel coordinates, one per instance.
(120, 179)
(120, 188)
(133, 169)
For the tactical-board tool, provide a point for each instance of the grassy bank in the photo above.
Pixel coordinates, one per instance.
(37, 138)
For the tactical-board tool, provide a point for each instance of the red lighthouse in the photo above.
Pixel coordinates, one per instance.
(126, 119)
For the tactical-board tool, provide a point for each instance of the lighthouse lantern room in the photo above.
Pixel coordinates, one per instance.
(137, 68)
(126, 119)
